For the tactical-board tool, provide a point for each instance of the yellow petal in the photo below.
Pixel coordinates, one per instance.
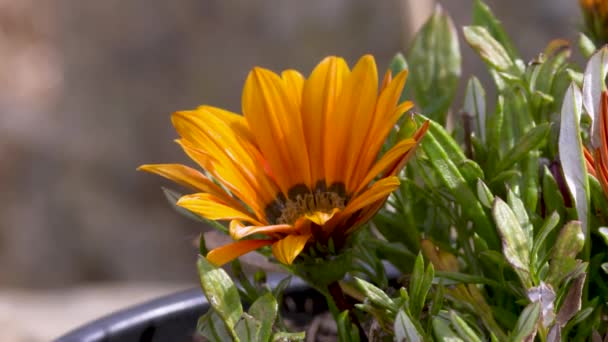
(347, 126)
(239, 231)
(319, 97)
(398, 165)
(386, 115)
(213, 208)
(379, 191)
(221, 139)
(227, 253)
(321, 217)
(231, 176)
(191, 178)
(275, 121)
(287, 249)
(294, 83)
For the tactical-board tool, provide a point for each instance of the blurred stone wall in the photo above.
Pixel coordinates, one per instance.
(86, 92)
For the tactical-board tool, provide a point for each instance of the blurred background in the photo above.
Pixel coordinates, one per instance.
(86, 93)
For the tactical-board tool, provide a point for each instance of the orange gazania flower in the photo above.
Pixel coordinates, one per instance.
(597, 162)
(595, 13)
(301, 165)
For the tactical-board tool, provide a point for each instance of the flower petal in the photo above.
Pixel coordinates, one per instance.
(239, 231)
(386, 115)
(346, 127)
(321, 217)
(388, 159)
(294, 83)
(274, 118)
(287, 249)
(377, 192)
(221, 255)
(213, 208)
(319, 98)
(190, 178)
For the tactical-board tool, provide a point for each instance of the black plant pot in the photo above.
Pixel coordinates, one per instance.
(174, 317)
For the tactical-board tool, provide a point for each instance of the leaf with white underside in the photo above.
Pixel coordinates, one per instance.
(544, 295)
(593, 85)
(571, 153)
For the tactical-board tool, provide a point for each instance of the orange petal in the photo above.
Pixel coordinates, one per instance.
(275, 120)
(418, 135)
(386, 115)
(377, 192)
(227, 253)
(589, 162)
(191, 178)
(346, 127)
(319, 98)
(239, 231)
(388, 159)
(287, 249)
(254, 192)
(213, 208)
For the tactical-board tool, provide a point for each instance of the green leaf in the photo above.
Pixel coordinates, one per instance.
(279, 290)
(221, 293)
(456, 184)
(463, 329)
(484, 194)
(375, 295)
(552, 196)
(483, 16)
(531, 140)
(515, 243)
(471, 171)
(488, 48)
(436, 54)
(248, 329)
(211, 327)
(347, 332)
(526, 326)
(282, 336)
(416, 280)
(548, 225)
(475, 106)
(593, 85)
(568, 244)
(464, 278)
(443, 332)
(404, 328)
(586, 45)
(520, 212)
(398, 64)
(571, 153)
(265, 310)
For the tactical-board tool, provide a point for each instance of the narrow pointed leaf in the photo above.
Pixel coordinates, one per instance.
(483, 16)
(488, 48)
(515, 243)
(531, 140)
(571, 153)
(475, 106)
(593, 85)
(436, 53)
(405, 330)
(527, 323)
